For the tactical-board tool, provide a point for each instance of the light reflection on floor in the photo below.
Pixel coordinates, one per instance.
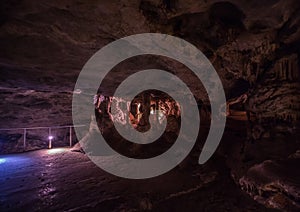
(56, 151)
(26, 178)
(61, 180)
(2, 160)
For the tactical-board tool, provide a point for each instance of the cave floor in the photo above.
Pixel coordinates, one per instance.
(62, 180)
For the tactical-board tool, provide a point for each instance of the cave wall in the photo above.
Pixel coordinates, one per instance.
(253, 45)
(50, 43)
(45, 45)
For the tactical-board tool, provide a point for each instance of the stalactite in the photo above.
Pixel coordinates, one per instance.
(287, 68)
(138, 111)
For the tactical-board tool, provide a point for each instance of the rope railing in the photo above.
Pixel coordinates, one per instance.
(50, 137)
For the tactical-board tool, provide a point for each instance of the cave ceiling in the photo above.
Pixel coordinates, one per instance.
(44, 45)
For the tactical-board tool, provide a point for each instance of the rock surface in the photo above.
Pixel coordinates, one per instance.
(43, 180)
(253, 45)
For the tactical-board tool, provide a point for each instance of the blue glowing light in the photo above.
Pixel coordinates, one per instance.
(2, 160)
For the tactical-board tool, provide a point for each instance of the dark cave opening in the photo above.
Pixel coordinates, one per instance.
(240, 87)
(227, 13)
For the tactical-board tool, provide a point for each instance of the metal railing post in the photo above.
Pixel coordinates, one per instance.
(24, 138)
(50, 138)
(70, 137)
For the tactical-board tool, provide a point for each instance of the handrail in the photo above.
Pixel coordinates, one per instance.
(49, 132)
(35, 128)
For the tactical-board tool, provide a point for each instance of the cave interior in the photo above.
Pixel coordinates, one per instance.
(254, 46)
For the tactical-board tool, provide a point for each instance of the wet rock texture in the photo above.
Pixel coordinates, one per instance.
(274, 183)
(43, 180)
(253, 45)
